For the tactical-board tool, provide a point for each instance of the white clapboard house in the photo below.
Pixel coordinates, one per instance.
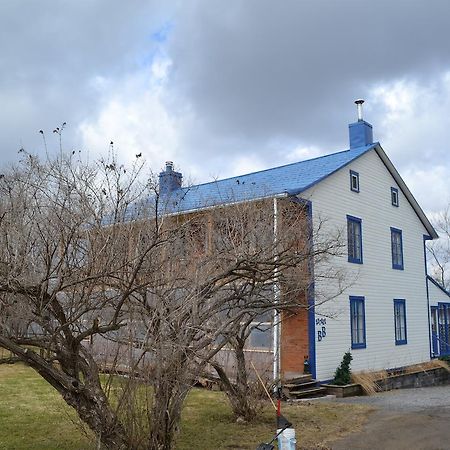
(391, 314)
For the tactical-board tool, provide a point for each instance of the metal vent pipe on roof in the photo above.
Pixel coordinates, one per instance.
(359, 104)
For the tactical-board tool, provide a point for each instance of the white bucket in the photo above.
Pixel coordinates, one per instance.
(286, 440)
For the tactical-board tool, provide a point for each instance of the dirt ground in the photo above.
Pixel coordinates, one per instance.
(412, 419)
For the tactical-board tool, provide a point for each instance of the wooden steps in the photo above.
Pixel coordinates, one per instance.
(302, 387)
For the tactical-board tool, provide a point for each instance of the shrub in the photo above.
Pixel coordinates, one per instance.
(342, 375)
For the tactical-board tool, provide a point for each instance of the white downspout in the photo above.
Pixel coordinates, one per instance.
(276, 295)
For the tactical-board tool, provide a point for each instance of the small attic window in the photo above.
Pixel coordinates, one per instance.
(354, 181)
(394, 196)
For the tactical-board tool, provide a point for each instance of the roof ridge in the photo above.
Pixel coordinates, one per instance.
(271, 168)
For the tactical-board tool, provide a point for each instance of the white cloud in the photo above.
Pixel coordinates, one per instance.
(134, 116)
(430, 186)
(412, 123)
(300, 153)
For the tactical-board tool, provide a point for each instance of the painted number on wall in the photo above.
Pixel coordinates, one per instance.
(322, 332)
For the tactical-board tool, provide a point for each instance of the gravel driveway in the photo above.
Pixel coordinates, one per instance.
(413, 419)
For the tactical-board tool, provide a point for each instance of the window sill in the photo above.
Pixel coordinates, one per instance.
(355, 261)
(358, 346)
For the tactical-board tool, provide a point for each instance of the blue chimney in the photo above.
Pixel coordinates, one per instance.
(360, 132)
(169, 180)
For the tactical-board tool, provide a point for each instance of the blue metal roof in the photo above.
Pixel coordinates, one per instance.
(290, 179)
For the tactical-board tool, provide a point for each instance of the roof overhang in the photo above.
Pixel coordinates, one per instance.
(406, 192)
(438, 285)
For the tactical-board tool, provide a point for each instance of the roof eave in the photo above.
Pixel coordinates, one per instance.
(406, 192)
(438, 285)
(225, 204)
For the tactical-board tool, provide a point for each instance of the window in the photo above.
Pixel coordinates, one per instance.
(357, 322)
(397, 249)
(354, 181)
(394, 196)
(400, 322)
(434, 330)
(261, 328)
(354, 239)
(260, 336)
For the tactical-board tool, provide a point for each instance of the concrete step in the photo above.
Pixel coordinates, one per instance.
(300, 379)
(303, 387)
(305, 384)
(308, 393)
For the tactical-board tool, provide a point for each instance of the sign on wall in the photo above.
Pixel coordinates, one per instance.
(322, 331)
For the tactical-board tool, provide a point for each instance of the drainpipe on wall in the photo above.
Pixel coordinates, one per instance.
(276, 295)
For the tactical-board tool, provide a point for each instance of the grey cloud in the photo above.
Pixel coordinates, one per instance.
(257, 78)
(262, 69)
(52, 51)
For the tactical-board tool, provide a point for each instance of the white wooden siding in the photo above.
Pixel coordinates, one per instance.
(375, 279)
(437, 295)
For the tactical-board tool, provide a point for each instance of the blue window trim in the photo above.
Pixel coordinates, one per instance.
(393, 189)
(394, 265)
(359, 221)
(356, 174)
(356, 300)
(444, 331)
(399, 302)
(434, 336)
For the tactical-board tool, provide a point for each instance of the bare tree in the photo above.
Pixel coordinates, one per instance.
(99, 272)
(57, 260)
(295, 245)
(439, 250)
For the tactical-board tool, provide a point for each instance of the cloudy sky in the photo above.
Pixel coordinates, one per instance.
(227, 87)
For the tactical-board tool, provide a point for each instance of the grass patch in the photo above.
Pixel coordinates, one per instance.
(34, 417)
(32, 414)
(211, 426)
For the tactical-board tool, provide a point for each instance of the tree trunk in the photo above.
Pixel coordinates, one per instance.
(168, 400)
(238, 393)
(87, 398)
(93, 409)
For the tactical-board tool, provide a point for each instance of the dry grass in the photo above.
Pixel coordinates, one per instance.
(34, 417)
(426, 366)
(369, 380)
(4, 353)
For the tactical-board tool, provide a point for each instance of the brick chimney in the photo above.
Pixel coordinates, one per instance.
(360, 132)
(169, 180)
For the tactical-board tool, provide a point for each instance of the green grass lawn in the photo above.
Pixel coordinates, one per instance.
(34, 417)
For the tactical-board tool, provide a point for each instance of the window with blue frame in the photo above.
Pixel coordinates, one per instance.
(397, 248)
(444, 328)
(358, 322)
(354, 240)
(354, 181)
(394, 196)
(400, 321)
